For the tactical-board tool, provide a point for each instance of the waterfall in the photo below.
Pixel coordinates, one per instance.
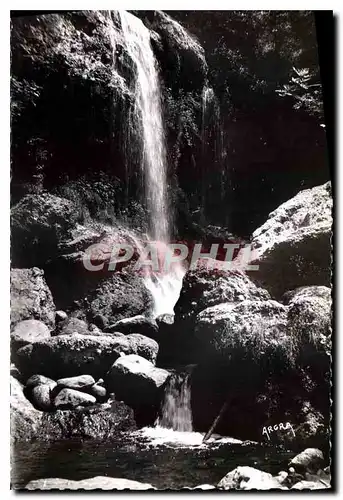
(165, 288)
(148, 112)
(176, 411)
(212, 136)
(207, 97)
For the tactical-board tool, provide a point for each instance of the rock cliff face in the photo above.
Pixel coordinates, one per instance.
(71, 91)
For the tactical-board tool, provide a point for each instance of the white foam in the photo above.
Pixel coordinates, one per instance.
(158, 436)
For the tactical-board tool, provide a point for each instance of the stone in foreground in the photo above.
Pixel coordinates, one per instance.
(310, 485)
(248, 478)
(28, 332)
(136, 380)
(99, 482)
(309, 460)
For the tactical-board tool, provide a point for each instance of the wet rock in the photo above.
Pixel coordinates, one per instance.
(71, 355)
(31, 297)
(41, 396)
(165, 319)
(28, 332)
(36, 380)
(293, 247)
(203, 288)
(309, 460)
(80, 382)
(248, 478)
(60, 316)
(136, 324)
(136, 380)
(98, 422)
(94, 483)
(70, 398)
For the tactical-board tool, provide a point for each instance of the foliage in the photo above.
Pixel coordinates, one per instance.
(102, 198)
(305, 89)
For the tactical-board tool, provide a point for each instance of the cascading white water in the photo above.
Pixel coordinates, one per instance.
(207, 97)
(165, 287)
(176, 409)
(148, 110)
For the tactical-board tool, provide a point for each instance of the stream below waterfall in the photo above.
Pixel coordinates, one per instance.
(156, 456)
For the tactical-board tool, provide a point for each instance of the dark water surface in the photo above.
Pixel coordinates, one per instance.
(162, 466)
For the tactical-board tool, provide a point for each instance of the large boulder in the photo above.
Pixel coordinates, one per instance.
(203, 288)
(122, 295)
(31, 297)
(138, 383)
(248, 478)
(309, 460)
(29, 331)
(253, 328)
(72, 355)
(93, 483)
(279, 353)
(310, 314)
(293, 247)
(310, 324)
(98, 422)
